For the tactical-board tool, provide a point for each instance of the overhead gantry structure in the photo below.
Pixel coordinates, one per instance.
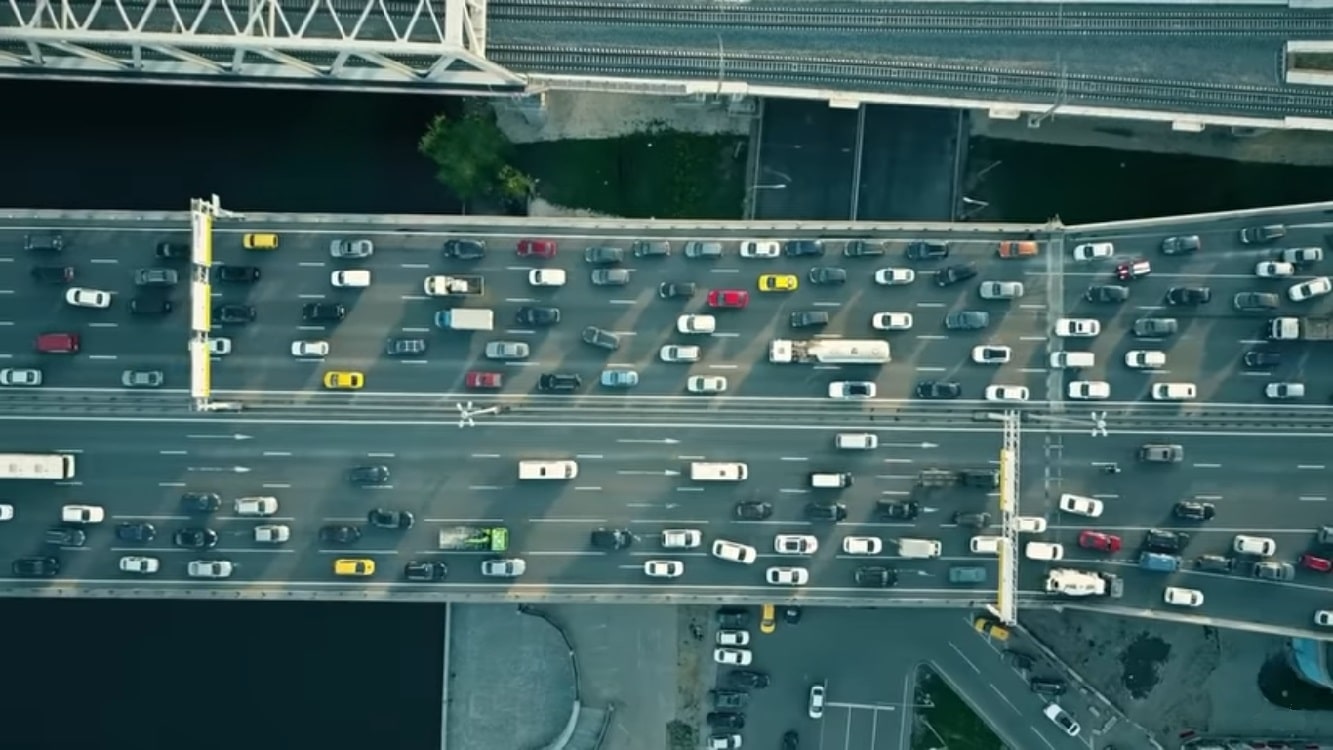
(404, 46)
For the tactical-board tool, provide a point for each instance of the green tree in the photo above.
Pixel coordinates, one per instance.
(471, 156)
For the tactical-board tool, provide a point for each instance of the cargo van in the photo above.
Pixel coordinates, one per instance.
(1044, 551)
(548, 469)
(1155, 561)
(358, 278)
(830, 480)
(986, 545)
(919, 548)
(856, 441)
(711, 471)
(1072, 360)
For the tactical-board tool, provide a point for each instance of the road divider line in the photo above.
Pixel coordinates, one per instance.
(725, 270)
(898, 460)
(1312, 498)
(895, 492)
(725, 367)
(416, 330)
(827, 304)
(589, 455)
(930, 304)
(689, 489)
(1106, 496)
(103, 325)
(1030, 306)
(1207, 497)
(623, 301)
(690, 458)
(726, 335)
(1031, 338)
(464, 520)
(520, 300)
(379, 487)
(932, 337)
(276, 454)
(311, 264)
(101, 356)
(563, 553)
(896, 476)
(1210, 466)
(795, 458)
(275, 485)
(1031, 370)
(788, 491)
(414, 361)
(413, 297)
(482, 488)
(588, 489)
(379, 455)
(172, 453)
(481, 455)
(1252, 342)
(1311, 467)
(310, 296)
(170, 484)
(932, 369)
(310, 328)
(414, 265)
(70, 483)
(521, 364)
(104, 261)
(567, 520)
(627, 333)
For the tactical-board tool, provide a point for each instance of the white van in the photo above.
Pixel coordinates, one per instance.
(856, 441)
(985, 545)
(1072, 360)
(1044, 551)
(709, 471)
(830, 480)
(357, 278)
(919, 548)
(548, 469)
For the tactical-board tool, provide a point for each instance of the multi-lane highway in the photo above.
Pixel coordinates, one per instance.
(139, 450)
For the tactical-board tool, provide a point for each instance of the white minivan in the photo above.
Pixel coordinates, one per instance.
(1072, 360)
(548, 469)
(856, 441)
(356, 278)
(830, 480)
(919, 548)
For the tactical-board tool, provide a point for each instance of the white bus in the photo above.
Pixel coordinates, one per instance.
(36, 466)
(830, 351)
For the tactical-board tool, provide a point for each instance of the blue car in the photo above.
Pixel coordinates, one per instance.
(619, 378)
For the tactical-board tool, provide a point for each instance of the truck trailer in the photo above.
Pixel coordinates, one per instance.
(454, 286)
(1301, 329)
(465, 319)
(1080, 583)
(830, 351)
(475, 538)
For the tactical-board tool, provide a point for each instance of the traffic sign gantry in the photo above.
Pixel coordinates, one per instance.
(1006, 600)
(202, 213)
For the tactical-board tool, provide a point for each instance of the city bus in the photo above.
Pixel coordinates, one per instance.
(36, 466)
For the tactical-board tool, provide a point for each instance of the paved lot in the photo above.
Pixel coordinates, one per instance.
(809, 147)
(908, 163)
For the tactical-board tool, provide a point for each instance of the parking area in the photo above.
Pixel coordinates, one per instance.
(859, 726)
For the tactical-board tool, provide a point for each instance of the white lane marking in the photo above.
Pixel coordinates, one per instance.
(416, 330)
(413, 297)
(310, 296)
(311, 264)
(104, 260)
(69, 450)
(275, 485)
(589, 455)
(793, 492)
(1032, 338)
(895, 492)
(275, 454)
(1312, 467)
(627, 333)
(521, 331)
(931, 337)
(897, 460)
(6, 356)
(622, 301)
(1105, 496)
(521, 364)
(101, 356)
(827, 304)
(414, 361)
(725, 367)
(1032, 307)
(71, 483)
(1151, 307)
(689, 458)
(726, 270)
(172, 453)
(725, 335)
(6, 291)
(1031, 369)
(485, 455)
(795, 458)
(930, 304)
(932, 369)
(520, 300)
(1312, 498)
(483, 487)
(379, 455)
(1207, 466)
(689, 489)
(588, 489)
(566, 520)
(310, 328)
(1207, 497)
(1252, 341)
(170, 484)
(414, 265)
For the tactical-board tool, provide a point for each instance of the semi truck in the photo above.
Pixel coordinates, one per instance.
(1301, 329)
(454, 286)
(475, 538)
(1079, 583)
(465, 319)
(985, 478)
(830, 351)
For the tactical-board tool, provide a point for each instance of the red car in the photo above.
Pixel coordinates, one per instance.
(536, 248)
(1133, 269)
(728, 298)
(1315, 563)
(484, 381)
(1099, 541)
(58, 343)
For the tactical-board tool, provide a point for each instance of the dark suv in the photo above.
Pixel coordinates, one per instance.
(797, 248)
(323, 312)
(862, 249)
(821, 512)
(746, 678)
(464, 249)
(404, 347)
(729, 699)
(1106, 293)
(173, 250)
(897, 510)
(809, 319)
(1165, 542)
(200, 502)
(559, 381)
(921, 250)
(66, 536)
(955, 274)
(612, 539)
(1261, 359)
(938, 389)
(53, 274)
(984, 478)
(1191, 510)
(732, 618)
(600, 338)
(386, 518)
(233, 314)
(875, 576)
(237, 274)
(827, 275)
(675, 289)
(537, 316)
(971, 519)
(753, 510)
(150, 306)
(1188, 296)
(368, 476)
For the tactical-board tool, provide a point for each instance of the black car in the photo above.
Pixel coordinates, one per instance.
(733, 618)
(612, 539)
(676, 289)
(1181, 245)
(53, 274)
(422, 570)
(404, 347)
(323, 312)
(173, 250)
(339, 533)
(464, 249)
(1260, 359)
(364, 476)
(1106, 293)
(1188, 296)
(1048, 686)
(604, 256)
(150, 306)
(938, 389)
(875, 576)
(1214, 563)
(537, 316)
(922, 250)
(1256, 302)
(791, 614)
(821, 512)
(138, 532)
(1262, 235)
(236, 274)
(796, 248)
(955, 274)
(600, 338)
(827, 275)
(233, 314)
(729, 699)
(1165, 542)
(984, 478)
(36, 567)
(971, 519)
(726, 720)
(195, 537)
(200, 502)
(650, 249)
(1191, 510)
(862, 249)
(753, 510)
(967, 320)
(809, 319)
(384, 518)
(897, 510)
(66, 536)
(791, 740)
(559, 382)
(748, 678)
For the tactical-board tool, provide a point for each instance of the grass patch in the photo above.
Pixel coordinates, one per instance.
(1312, 61)
(944, 721)
(664, 174)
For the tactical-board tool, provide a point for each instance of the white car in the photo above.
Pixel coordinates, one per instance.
(862, 545)
(1062, 719)
(816, 707)
(256, 506)
(1274, 269)
(546, 277)
(1258, 546)
(209, 569)
(6, 512)
(894, 276)
(1140, 359)
(1006, 393)
(731, 741)
(139, 564)
(760, 249)
(1030, 524)
(891, 321)
(1078, 328)
(678, 353)
(985, 545)
(851, 389)
(1173, 391)
(1080, 505)
(1093, 251)
(988, 354)
(733, 637)
(1324, 618)
(219, 347)
(663, 568)
(273, 533)
(1089, 390)
(507, 350)
(682, 538)
(696, 324)
(351, 248)
(1284, 391)
(1000, 289)
(1044, 551)
(504, 568)
(20, 376)
(737, 657)
(310, 348)
(706, 384)
(95, 298)
(82, 514)
(1316, 287)
(1182, 597)
(734, 551)
(795, 544)
(785, 576)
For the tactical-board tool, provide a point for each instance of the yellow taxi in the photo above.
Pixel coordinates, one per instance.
(768, 621)
(260, 241)
(338, 380)
(778, 282)
(354, 567)
(987, 626)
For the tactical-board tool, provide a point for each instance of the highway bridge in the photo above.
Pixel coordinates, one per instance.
(1257, 65)
(1262, 465)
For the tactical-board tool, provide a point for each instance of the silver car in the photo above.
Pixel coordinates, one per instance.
(351, 248)
(507, 350)
(610, 277)
(26, 376)
(619, 378)
(503, 568)
(142, 378)
(156, 277)
(209, 569)
(1001, 289)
